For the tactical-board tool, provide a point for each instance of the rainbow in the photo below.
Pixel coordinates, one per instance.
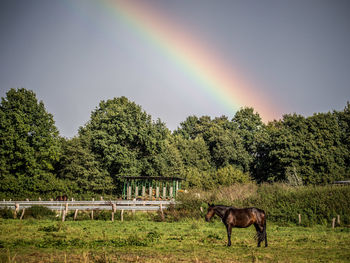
(213, 75)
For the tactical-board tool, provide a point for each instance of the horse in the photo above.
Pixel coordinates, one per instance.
(62, 198)
(241, 218)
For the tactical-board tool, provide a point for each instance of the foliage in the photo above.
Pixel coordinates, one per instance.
(229, 175)
(6, 213)
(317, 205)
(283, 203)
(39, 212)
(312, 148)
(29, 146)
(121, 139)
(127, 142)
(82, 172)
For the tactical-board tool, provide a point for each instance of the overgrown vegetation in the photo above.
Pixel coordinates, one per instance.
(39, 212)
(121, 139)
(315, 204)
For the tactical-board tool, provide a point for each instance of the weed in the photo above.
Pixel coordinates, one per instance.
(153, 236)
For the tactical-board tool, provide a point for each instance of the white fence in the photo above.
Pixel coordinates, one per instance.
(64, 206)
(90, 205)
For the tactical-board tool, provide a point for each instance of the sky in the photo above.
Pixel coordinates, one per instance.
(177, 58)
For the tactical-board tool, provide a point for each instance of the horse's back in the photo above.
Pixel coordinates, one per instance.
(244, 217)
(260, 215)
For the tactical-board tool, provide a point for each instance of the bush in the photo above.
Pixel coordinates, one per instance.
(230, 175)
(188, 206)
(103, 215)
(39, 212)
(6, 213)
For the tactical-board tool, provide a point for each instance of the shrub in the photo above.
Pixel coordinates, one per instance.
(230, 175)
(103, 215)
(6, 213)
(39, 212)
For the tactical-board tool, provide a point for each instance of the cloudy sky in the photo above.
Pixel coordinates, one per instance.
(294, 55)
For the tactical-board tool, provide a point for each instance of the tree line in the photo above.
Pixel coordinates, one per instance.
(121, 139)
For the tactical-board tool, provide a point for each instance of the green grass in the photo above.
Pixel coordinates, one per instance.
(142, 240)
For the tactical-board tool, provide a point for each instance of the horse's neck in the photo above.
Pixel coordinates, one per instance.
(220, 211)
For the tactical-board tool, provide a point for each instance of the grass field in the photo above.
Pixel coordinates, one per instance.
(142, 240)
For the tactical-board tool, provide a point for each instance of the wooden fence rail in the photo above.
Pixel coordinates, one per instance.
(90, 205)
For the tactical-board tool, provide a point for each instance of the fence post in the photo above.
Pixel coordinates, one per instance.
(114, 208)
(63, 215)
(92, 211)
(16, 210)
(338, 220)
(299, 217)
(134, 204)
(75, 214)
(161, 211)
(66, 208)
(333, 222)
(24, 209)
(121, 215)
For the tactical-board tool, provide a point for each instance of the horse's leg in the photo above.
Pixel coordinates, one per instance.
(229, 230)
(259, 233)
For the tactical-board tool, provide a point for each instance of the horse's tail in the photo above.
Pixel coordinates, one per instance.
(264, 235)
(264, 231)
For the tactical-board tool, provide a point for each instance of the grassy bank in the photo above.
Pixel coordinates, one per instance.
(143, 240)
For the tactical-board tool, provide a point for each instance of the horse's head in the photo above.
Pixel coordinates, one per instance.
(210, 212)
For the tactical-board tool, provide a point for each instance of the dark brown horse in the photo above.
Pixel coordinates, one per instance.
(62, 198)
(240, 217)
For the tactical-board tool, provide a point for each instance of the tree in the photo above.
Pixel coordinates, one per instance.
(226, 148)
(29, 145)
(194, 152)
(249, 127)
(81, 171)
(126, 141)
(310, 149)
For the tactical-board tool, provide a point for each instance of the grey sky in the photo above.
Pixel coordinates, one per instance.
(73, 54)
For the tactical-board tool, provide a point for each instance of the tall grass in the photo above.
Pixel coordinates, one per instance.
(283, 203)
